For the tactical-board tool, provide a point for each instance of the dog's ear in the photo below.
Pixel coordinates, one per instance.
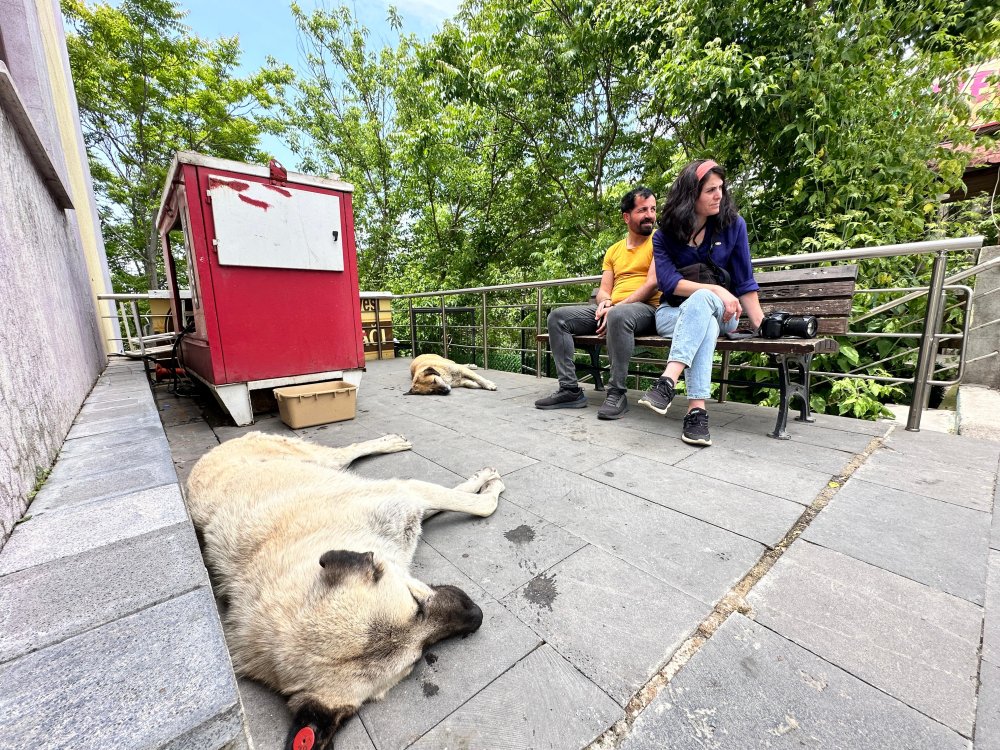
(430, 372)
(313, 724)
(340, 564)
(410, 392)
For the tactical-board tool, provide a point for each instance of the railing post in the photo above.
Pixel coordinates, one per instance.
(724, 375)
(538, 331)
(444, 328)
(486, 337)
(413, 327)
(928, 342)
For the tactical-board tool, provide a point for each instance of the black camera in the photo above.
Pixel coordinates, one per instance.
(780, 324)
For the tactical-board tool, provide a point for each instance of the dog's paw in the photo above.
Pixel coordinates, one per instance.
(395, 443)
(494, 485)
(484, 477)
(473, 366)
(490, 386)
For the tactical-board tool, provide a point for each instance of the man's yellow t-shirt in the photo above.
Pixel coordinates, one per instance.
(630, 268)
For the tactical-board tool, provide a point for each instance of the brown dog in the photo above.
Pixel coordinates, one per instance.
(312, 563)
(433, 374)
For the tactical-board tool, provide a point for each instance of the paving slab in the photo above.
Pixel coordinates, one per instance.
(98, 427)
(762, 517)
(988, 713)
(137, 458)
(58, 494)
(539, 444)
(50, 536)
(698, 558)
(501, 552)
(124, 437)
(824, 434)
(465, 456)
(406, 465)
(936, 543)
(625, 437)
(991, 625)
(937, 447)
(949, 479)
(542, 703)
(912, 642)
(143, 409)
(148, 680)
(613, 622)
(748, 687)
(819, 458)
(795, 483)
(48, 603)
(451, 671)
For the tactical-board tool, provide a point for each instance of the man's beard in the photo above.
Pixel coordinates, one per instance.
(646, 227)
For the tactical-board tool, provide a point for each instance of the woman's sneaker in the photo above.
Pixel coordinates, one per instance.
(658, 397)
(564, 398)
(696, 428)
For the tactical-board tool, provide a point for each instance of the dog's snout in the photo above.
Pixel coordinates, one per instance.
(462, 615)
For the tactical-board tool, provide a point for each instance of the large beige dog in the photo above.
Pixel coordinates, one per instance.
(312, 565)
(433, 374)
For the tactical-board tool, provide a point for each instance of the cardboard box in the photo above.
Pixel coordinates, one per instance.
(316, 403)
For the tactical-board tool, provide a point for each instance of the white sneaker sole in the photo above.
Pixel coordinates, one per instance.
(649, 405)
(696, 441)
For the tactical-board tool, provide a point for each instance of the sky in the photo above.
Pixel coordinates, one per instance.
(265, 27)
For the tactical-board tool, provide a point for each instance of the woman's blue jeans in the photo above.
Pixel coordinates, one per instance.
(694, 328)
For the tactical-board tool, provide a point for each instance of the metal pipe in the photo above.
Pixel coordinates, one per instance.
(928, 346)
(413, 328)
(486, 337)
(538, 331)
(724, 374)
(444, 327)
(881, 251)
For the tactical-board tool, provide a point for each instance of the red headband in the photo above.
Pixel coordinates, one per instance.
(704, 168)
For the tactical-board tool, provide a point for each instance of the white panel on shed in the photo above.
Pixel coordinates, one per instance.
(276, 227)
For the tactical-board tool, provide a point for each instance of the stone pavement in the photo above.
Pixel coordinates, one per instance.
(828, 591)
(836, 590)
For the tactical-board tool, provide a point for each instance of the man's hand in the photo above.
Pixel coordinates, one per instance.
(601, 316)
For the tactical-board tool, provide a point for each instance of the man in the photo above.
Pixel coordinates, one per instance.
(625, 308)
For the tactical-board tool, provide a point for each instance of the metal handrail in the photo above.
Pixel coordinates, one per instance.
(927, 349)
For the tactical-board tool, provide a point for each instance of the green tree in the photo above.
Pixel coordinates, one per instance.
(147, 87)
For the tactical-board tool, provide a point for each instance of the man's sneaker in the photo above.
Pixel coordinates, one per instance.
(658, 397)
(696, 428)
(564, 398)
(614, 406)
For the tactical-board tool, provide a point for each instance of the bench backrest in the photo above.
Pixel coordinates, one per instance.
(824, 292)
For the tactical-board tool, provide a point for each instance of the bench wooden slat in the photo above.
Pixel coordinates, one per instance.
(794, 275)
(808, 291)
(776, 346)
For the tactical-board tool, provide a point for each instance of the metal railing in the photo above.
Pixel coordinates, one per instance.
(928, 339)
(143, 332)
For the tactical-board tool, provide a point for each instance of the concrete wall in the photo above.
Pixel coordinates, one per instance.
(983, 353)
(51, 351)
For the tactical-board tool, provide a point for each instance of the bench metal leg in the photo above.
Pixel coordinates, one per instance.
(595, 367)
(790, 387)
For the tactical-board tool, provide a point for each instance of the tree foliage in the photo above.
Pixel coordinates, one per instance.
(147, 87)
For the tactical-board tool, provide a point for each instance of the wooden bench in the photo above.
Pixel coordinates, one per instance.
(824, 292)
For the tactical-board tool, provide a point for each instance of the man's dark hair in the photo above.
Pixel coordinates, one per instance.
(677, 218)
(629, 199)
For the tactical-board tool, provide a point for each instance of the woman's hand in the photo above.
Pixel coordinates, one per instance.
(732, 303)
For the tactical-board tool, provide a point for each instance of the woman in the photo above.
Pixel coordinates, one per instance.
(699, 224)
